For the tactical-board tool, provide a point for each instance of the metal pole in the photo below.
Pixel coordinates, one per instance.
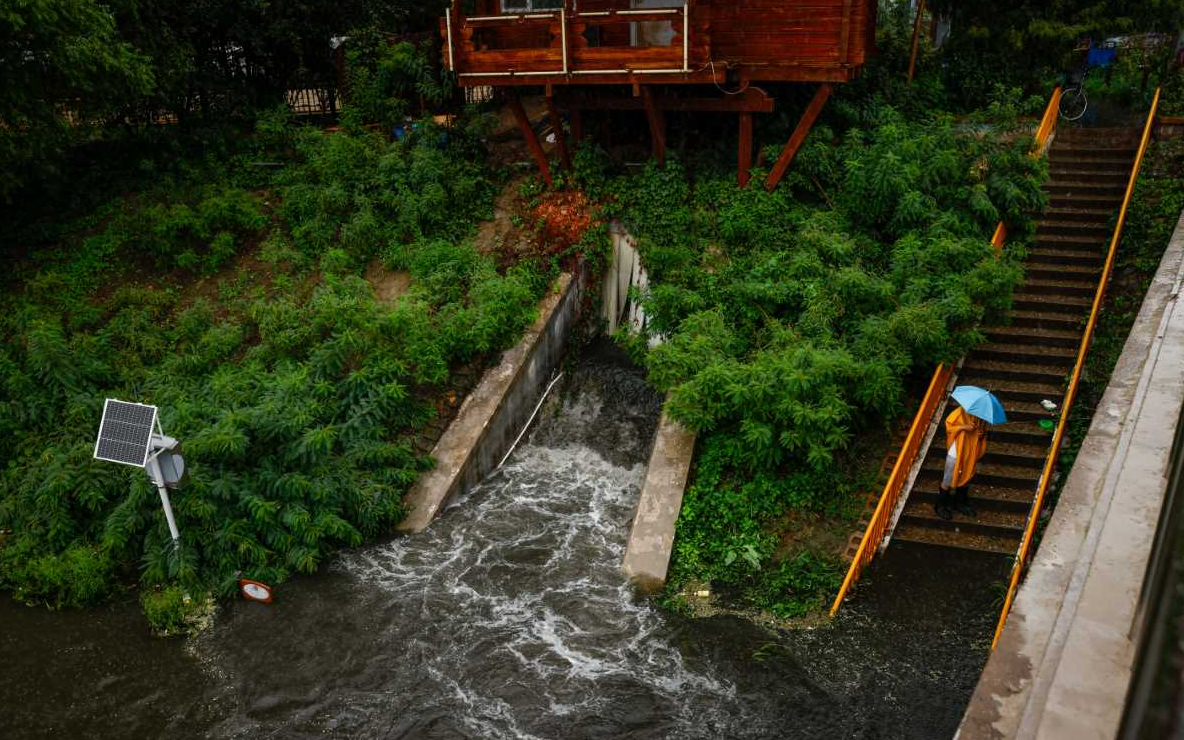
(158, 479)
(451, 57)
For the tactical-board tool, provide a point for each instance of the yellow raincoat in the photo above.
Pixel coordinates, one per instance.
(969, 435)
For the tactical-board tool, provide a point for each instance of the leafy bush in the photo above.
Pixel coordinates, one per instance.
(800, 585)
(363, 195)
(199, 235)
(171, 611)
(388, 81)
(297, 400)
(793, 321)
(77, 576)
(792, 324)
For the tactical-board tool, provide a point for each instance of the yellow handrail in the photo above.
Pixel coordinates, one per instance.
(1025, 550)
(890, 497)
(1048, 124)
(895, 486)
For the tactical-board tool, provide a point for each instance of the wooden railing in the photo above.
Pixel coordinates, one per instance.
(567, 51)
(877, 528)
(1024, 555)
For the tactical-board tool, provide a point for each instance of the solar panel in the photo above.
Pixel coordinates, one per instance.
(125, 434)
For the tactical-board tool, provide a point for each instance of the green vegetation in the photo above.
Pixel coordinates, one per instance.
(793, 321)
(1030, 43)
(296, 393)
(80, 73)
(383, 77)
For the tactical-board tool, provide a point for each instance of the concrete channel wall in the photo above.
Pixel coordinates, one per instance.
(496, 410)
(651, 537)
(1064, 662)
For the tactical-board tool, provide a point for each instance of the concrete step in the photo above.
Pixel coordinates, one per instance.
(1015, 391)
(993, 519)
(1029, 434)
(1093, 150)
(1089, 271)
(1084, 187)
(1077, 160)
(1063, 256)
(1003, 545)
(1044, 320)
(987, 474)
(984, 498)
(1072, 242)
(999, 452)
(1053, 271)
(1068, 286)
(1038, 337)
(1109, 201)
(1077, 214)
(1030, 411)
(989, 371)
(1071, 306)
(959, 531)
(1100, 172)
(1021, 355)
(1073, 133)
(1098, 230)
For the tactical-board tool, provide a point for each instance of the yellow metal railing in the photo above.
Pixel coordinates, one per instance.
(1048, 124)
(1025, 550)
(878, 526)
(894, 488)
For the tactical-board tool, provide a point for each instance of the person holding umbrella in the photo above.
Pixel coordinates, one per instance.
(966, 440)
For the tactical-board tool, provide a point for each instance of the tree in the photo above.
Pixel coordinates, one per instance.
(63, 69)
(1027, 42)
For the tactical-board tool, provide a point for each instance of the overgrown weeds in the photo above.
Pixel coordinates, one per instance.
(792, 321)
(296, 395)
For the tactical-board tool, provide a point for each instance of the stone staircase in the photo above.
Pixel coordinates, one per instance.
(1029, 360)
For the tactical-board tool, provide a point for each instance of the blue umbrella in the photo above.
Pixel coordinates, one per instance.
(980, 403)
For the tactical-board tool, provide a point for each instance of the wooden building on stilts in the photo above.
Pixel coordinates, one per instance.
(659, 56)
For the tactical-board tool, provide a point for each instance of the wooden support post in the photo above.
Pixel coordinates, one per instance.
(532, 140)
(798, 137)
(577, 126)
(916, 39)
(744, 161)
(657, 125)
(845, 34)
(560, 134)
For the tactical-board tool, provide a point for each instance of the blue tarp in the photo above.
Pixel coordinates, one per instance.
(1101, 56)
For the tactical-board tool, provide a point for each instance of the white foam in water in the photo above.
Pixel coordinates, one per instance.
(524, 573)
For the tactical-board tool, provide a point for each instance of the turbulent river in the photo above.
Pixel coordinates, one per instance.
(509, 619)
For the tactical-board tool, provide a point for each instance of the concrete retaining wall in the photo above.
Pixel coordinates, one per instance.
(496, 410)
(1064, 662)
(651, 538)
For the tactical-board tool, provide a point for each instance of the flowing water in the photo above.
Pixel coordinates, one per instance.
(509, 618)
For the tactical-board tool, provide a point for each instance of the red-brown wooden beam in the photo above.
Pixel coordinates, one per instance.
(532, 139)
(744, 160)
(799, 136)
(657, 125)
(916, 39)
(577, 125)
(752, 100)
(767, 73)
(560, 134)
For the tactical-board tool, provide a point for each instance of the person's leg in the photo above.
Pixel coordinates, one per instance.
(962, 501)
(942, 506)
(944, 497)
